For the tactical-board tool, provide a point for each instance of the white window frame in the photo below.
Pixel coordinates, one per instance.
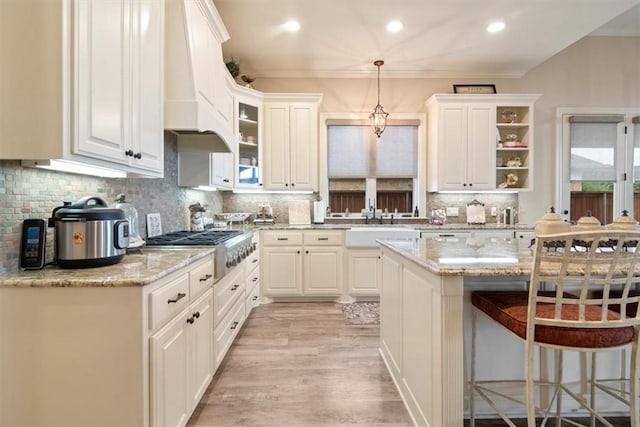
(420, 183)
(622, 190)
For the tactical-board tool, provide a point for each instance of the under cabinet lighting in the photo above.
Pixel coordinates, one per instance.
(478, 192)
(205, 188)
(70, 166)
(260, 191)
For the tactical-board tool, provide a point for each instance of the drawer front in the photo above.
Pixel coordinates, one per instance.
(226, 292)
(253, 299)
(253, 278)
(252, 260)
(282, 238)
(226, 331)
(168, 300)
(323, 238)
(201, 278)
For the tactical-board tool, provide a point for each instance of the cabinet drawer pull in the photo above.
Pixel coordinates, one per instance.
(283, 238)
(177, 298)
(206, 277)
(323, 238)
(254, 261)
(446, 235)
(234, 287)
(235, 325)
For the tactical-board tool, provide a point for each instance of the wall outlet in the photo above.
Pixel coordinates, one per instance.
(453, 212)
(494, 211)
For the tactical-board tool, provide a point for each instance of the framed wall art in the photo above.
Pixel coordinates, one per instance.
(475, 88)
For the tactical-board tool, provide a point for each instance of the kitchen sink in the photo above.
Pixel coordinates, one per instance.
(365, 237)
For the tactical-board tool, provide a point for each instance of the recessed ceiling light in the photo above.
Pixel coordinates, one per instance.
(292, 26)
(495, 27)
(394, 26)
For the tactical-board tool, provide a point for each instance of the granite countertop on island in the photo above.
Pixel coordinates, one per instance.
(467, 256)
(425, 226)
(136, 269)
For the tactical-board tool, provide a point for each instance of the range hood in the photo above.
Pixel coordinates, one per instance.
(198, 103)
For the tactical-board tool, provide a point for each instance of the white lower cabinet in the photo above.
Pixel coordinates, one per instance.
(169, 374)
(363, 272)
(182, 363)
(302, 263)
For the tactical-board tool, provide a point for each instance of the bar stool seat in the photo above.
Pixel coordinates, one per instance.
(510, 309)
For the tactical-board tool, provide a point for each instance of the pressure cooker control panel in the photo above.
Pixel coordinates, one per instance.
(121, 234)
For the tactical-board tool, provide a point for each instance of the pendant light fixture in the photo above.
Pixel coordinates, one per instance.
(379, 116)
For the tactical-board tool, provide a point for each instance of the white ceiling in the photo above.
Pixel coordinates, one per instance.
(441, 38)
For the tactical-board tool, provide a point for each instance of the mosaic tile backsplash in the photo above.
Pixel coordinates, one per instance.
(33, 193)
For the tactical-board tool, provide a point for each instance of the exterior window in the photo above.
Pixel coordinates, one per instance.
(597, 166)
(365, 171)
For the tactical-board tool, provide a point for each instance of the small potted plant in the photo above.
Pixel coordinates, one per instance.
(234, 67)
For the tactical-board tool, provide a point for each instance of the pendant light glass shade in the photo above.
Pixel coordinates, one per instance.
(379, 116)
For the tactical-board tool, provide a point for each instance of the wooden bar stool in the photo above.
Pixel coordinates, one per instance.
(561, 312)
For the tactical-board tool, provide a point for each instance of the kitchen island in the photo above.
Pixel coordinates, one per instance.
(422, 315)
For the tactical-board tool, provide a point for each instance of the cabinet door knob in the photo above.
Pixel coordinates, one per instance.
(137, 156)
(234, 287)
(306, 252)
(293, 184)
(297, 252)
(196, 314)
(190, 320)
(470, 185)
(286, 185)
(129, 153)
(464, 185)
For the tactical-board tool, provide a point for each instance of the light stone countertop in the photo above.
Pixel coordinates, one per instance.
(136, 269)
(466, 256)
(330, 225)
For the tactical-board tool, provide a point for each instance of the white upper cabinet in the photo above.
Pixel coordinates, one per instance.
(291, 141)
(473, 148)
(91, 88)
(197, 94)
(118, 90)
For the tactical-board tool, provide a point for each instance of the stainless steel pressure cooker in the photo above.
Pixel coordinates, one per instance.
(89, 234)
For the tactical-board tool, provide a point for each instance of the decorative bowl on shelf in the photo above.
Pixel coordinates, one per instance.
(508, 115)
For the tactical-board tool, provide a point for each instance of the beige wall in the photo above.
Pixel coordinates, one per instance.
(595, 71)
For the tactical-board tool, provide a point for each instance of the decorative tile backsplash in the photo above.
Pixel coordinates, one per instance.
(460, 201)
(33, 193)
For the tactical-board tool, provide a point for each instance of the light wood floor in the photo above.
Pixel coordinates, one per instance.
(300, 364)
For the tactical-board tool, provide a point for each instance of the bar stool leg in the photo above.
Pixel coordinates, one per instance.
(531, 399)
(635, 385)
(592, 389)
(472, 379)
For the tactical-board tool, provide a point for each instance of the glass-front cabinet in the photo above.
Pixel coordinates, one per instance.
(249, 136)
